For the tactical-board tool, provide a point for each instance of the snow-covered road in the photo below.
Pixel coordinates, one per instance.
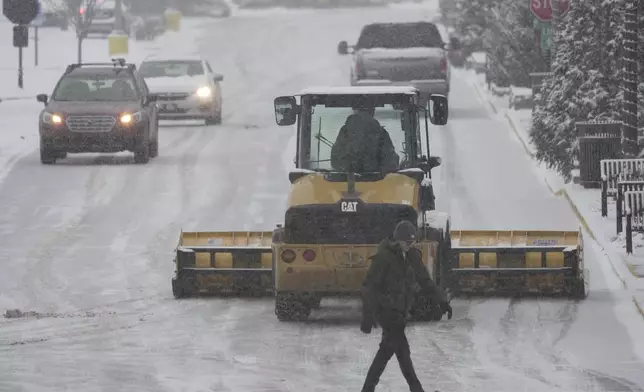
(87, 244)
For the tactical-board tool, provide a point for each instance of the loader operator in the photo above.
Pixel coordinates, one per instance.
(363, 145)
(395, 275)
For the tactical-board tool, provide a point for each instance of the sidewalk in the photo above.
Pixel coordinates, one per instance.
(586, 203)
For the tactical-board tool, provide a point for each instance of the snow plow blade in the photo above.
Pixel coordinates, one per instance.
(517, 263)
(223, 263)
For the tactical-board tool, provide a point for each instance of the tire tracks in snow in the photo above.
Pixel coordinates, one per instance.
(524, 345)
(459, 200)
(43, 281)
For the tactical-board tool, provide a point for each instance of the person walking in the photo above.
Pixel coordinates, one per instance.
(395, 275)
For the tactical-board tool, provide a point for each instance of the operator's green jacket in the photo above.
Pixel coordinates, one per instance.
(393, 282)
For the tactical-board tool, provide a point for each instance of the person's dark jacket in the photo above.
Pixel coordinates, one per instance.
(362, 146)
(392, 282)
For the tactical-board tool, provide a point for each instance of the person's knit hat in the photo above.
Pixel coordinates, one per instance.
(405, 231)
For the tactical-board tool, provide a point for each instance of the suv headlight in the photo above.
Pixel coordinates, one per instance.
(52, 118)
(204, 92)
(131, 118)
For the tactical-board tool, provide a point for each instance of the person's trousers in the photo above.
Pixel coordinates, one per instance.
(393, 342)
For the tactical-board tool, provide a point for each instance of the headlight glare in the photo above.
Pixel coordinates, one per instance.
(130, 118)
(204, 92)
(52, 118)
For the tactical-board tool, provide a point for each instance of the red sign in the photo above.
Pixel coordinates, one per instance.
(542, 9)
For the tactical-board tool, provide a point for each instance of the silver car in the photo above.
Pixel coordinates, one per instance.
(405, 54)
(185, 88)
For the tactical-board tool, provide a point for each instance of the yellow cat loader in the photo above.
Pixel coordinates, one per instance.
(335, 219)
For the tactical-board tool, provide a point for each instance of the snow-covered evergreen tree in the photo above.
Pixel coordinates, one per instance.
(514, 48)
(587, 80)
(504, 29)
(475, 20)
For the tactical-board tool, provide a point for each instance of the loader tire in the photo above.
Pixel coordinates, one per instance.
(142, 153)
(290, 307)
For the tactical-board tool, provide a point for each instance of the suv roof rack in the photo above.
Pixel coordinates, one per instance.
(117, 62)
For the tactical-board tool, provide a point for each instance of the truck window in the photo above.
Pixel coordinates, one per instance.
(403, 35)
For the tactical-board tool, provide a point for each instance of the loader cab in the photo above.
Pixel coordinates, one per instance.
(322, 112)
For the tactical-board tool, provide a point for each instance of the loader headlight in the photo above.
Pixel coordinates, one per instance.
(288, 256)
(52, 118)
(131, 118)
(204, 92)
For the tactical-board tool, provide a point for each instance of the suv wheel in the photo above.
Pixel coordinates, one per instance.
(47, 157)
(216, 118)
(142, 156)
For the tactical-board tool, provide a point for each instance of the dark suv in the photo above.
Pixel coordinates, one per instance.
(99, 108)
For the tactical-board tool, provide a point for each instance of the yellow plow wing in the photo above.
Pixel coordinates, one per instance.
(238, 263)
(517, 262)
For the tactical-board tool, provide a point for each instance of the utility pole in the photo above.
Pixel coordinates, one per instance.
(629, 80)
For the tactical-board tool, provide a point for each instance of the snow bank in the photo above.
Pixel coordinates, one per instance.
(479, 57)
(521, 91)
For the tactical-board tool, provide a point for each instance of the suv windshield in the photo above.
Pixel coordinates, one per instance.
(400, 36)
(96, 88)
(170, 69)
(365, 140)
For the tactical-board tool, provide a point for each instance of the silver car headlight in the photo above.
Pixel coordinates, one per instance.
(52, 118)
(204, 92)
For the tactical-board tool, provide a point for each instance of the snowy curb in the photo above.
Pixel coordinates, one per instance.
(526, 144)
(616, 261)
(564, 192)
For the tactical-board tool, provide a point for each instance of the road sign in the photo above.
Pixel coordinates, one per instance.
(20, 36)
(546, 36)
(21, 12)
(542, 9)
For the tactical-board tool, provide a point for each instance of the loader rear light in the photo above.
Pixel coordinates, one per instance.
(444, 65)
(309, 255)
(288, 256)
